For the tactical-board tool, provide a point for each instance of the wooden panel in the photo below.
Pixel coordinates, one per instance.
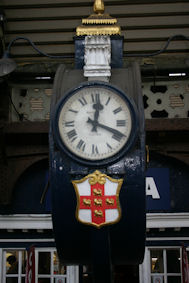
(43, 2)
(42, 25)
(44, 37)
(48, 12)
(151, 46)
(167, 124)
(86, 11)
(146, 24)
(154, 33)
(130, 46)
(50, 49)
(129, 35)
(181, 124)
(81, 3)
(72, 24)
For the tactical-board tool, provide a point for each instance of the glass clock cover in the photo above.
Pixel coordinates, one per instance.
(95, 122)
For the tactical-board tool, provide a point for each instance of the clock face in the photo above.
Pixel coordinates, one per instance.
(94, 122)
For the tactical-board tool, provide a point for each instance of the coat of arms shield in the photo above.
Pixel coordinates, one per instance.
(98, 199)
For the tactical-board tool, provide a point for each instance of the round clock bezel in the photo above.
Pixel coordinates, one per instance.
(101, 162)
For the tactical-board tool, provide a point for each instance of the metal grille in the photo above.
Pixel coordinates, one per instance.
(168, 99)
(31, 101)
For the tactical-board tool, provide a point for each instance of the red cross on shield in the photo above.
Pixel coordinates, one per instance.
(98, 199)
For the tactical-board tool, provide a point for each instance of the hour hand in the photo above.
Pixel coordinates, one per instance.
(96, 115)
(98, 107)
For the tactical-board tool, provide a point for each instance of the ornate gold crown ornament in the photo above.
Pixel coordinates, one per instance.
(98, 7)
(98, 23)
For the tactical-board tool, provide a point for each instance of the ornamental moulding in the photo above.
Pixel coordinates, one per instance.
(97, 56)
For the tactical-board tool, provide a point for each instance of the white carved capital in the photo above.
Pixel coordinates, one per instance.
(97, 57)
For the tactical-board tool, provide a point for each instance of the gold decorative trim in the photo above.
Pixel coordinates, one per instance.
(98, 30)
(99, 19)
(147, 154)
(89, 177)
(98, 23)
(97, 177)
(98, 7)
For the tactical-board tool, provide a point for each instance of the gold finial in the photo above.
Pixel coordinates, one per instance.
(98, 23)
(98, 7)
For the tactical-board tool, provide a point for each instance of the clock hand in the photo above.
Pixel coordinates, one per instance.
(113, 131)
(96, 115)
(98, 107)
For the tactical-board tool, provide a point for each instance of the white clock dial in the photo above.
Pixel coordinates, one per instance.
(95, 123)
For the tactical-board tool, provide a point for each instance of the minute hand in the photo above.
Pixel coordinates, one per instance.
(113, 131)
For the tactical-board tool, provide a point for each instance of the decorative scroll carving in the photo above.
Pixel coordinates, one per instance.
(97, 177)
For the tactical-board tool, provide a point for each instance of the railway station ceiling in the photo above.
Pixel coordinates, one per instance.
(51, 24)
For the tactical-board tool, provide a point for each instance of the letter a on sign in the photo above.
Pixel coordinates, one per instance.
(30, 266)
(158, 189)
(151, 188)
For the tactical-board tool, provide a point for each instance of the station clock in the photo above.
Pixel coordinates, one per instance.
(95, 123)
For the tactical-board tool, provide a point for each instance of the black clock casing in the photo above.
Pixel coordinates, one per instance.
(89, 89)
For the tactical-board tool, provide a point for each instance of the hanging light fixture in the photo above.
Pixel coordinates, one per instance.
(8, 65)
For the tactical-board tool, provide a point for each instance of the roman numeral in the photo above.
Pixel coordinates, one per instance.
(107, 102)
(117, 137)
(108, 145)
(92, 97)
(72, 134)
(97, 97)
(74, 111)
(117, 110)
(121, 123)
(81, 145)
(83, 101)
(69, 124)
(95, 149)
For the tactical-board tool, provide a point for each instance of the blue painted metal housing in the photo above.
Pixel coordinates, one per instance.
(121, 243)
